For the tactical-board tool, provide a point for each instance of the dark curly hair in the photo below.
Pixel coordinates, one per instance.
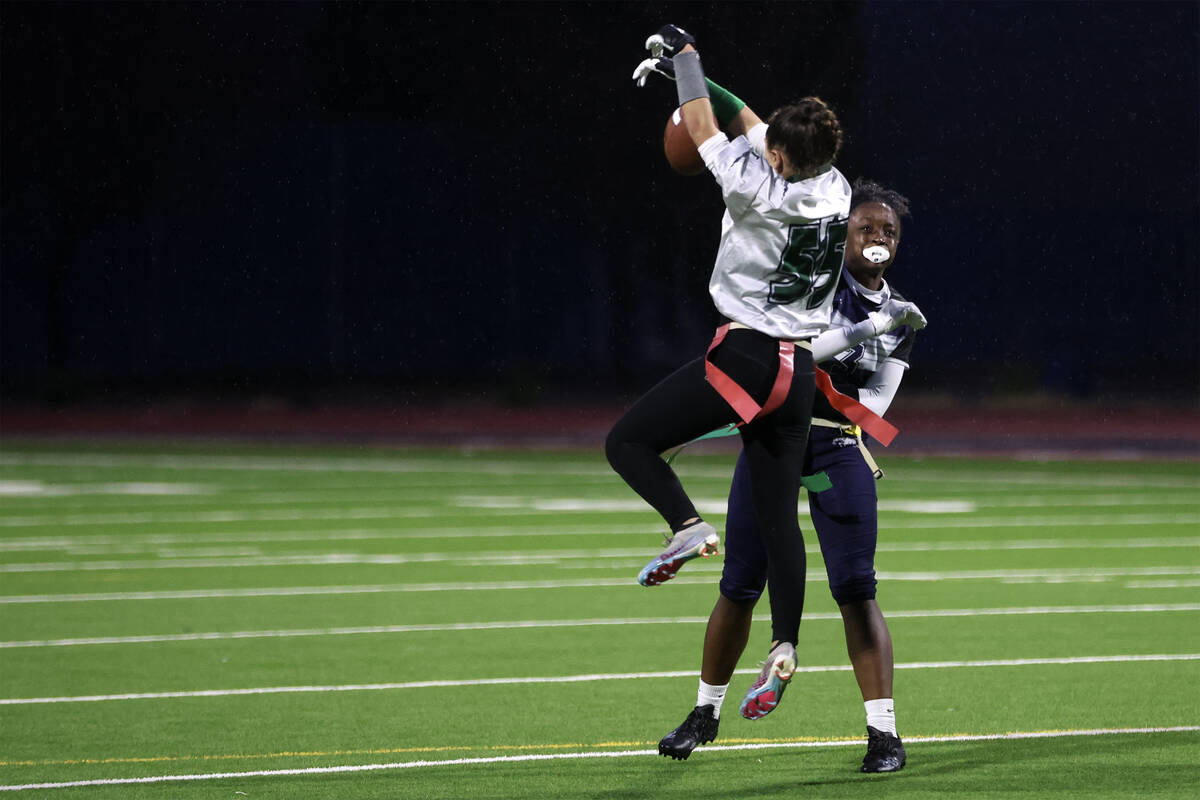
(807, 131)
(868, 191)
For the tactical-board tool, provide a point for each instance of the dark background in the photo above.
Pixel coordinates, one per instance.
(408, 202)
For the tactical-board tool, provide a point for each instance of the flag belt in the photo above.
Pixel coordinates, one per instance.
(748, 410)
(856, 432)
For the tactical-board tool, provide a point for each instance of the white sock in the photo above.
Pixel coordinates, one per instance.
(710, 695)
(881, 715)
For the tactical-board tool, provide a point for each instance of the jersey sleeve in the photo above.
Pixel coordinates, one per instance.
(757, 136)
(880, 390)
(740, 172)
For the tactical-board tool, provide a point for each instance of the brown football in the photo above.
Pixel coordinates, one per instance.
(680, 150)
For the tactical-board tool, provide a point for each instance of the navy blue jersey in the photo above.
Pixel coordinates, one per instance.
(850, 370)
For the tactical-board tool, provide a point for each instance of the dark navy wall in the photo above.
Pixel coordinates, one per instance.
(422, 198)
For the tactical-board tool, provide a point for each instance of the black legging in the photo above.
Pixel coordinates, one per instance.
(683, 406)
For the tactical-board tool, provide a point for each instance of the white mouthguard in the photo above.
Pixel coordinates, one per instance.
(876, 254)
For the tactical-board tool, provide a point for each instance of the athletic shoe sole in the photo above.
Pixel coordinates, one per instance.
(700, 544)
(767, 691)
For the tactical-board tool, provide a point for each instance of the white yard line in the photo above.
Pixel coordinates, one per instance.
(36, 543)
(1122, 500)
(718, 505)
(931, 515)
(1038, 544)
(412, 490)
(582, 754)
(1190, 583)
(192, 517)
(1018, 477)
(1045, 522)
(509, 557)
(617, 676)
(567, 623)
(95, 543)
(17, 489)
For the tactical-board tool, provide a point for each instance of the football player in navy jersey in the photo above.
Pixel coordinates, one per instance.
(866, 353)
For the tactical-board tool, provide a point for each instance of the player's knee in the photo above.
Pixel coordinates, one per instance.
(853, 589)
(611, 443)
(742, 591)
(614, 445)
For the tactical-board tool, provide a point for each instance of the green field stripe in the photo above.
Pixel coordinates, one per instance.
(308, 464)
(698, 574)
(351, 768)
(577, 583)
(626, 676)
(296, 591)
(1039, 522)
(567, 623)
(984, 473)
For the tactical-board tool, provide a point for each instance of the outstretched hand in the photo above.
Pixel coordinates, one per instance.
(669, 40)
(662, 65)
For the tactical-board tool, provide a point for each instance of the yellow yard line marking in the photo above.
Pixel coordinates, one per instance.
(577, 754)
(392, 751)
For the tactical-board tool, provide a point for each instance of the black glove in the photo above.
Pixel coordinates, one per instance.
(662, 65)
(669, 40)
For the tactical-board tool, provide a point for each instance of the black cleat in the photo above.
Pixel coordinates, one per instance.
(885, 753)
(699, 728)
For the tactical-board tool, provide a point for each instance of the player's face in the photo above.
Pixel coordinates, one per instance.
(872, 226)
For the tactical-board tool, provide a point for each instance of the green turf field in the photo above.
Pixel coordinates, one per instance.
(349, 622)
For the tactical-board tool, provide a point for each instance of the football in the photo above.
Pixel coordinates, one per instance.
(678, 146)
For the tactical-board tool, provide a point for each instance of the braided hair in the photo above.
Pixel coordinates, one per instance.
(808, 132)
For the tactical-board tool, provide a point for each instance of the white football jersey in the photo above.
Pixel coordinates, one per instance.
(781, 243)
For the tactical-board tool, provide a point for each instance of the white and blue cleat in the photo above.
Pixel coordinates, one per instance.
(695, 541)
(767, 691)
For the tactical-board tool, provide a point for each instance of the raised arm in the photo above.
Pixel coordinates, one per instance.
(732, 113)
(694, 104)
(743, 122)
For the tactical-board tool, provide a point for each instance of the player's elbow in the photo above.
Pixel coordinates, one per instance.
(876, 400)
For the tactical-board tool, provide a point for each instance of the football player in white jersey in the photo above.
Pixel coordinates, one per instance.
(777, 266)
(866, 353)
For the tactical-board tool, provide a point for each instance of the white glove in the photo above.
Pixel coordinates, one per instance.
(895, 314)
(663, 66)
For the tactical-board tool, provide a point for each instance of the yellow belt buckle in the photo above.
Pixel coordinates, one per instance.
(854, 431)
